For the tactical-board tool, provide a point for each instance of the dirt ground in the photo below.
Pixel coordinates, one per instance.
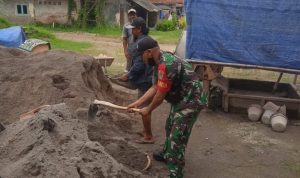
(222, 144)
(60, 141)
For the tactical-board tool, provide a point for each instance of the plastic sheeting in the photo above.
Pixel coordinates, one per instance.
(12, 37)
(257, 32)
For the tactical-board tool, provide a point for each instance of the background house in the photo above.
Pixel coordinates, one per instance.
(57, 11)
(44, 11)
(116, 11)
(168, 6)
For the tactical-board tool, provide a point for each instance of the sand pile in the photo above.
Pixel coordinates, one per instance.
(54, 144)
(28, 81)
(59, 141)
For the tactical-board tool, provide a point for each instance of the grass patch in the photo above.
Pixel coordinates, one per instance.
(37, 32)
(42, 33)
(109, 31)
(257, 74)
(4, 23)
(69, 45)
(170, 37)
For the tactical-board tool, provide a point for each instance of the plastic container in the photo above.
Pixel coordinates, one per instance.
(254, 112)
(266, 117)
(279, 122)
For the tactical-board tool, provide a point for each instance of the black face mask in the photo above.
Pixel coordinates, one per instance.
(151, 62)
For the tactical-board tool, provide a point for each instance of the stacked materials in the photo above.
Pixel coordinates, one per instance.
(269, 114)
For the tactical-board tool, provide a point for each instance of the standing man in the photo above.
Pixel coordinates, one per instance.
(128, 38)
(140, 74)
(175, 81)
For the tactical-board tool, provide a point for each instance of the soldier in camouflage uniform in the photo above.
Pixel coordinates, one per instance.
(175, 81)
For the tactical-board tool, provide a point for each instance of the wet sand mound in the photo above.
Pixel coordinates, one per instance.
(54, 144)
(31, 80)
(111, 130)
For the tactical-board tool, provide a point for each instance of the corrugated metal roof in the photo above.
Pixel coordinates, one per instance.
(164, 7)
(147, 5)
(166, 1)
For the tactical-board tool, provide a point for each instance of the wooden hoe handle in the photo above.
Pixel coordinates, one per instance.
(105, 103)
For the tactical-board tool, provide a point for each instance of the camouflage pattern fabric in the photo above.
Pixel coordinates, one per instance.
(183, 114)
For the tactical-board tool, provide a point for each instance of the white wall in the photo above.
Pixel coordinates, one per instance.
(48, 11)
(8, 10)
(45, 11)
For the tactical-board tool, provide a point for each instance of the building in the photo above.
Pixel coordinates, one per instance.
(57, 11)
(168, 6)
(44, 11)
(116, 11)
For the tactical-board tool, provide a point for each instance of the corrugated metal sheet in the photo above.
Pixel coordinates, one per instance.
(164, 7)
(166, 1)
(147, 5)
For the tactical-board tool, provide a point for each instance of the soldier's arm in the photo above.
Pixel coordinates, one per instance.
(157, 100)
(146, 97)
(163, 86)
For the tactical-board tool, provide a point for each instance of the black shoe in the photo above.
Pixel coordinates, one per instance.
(159, 156)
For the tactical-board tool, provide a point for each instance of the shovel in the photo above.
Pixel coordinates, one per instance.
(93, 109)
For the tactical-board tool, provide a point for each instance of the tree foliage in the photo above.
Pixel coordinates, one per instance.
(71, 7)
(91, 13)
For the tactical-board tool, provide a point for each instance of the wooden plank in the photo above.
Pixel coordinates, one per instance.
(295, 79)
(265, 98)
(226, 103)
(276, 84)
(277, 69)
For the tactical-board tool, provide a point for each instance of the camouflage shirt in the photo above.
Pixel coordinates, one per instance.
(177, 78)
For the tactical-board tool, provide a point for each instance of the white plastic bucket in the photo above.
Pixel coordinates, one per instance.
(254, 112)
(278, 122)
(266, 117)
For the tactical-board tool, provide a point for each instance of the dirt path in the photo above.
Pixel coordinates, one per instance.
(227, 146)
(100, 41)
(104, 45)
(221, 145)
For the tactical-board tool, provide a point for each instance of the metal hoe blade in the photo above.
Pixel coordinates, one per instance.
(1, 127)
(93, 109)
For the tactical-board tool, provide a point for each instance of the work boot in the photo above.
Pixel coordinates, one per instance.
(159, 156)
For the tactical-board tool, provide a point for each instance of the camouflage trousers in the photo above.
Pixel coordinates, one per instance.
(178, 128)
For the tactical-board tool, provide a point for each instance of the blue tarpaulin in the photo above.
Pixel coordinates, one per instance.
(12, 37)
(256, 32)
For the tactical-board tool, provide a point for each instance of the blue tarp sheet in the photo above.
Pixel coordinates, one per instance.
(12, 37)
(257, 32)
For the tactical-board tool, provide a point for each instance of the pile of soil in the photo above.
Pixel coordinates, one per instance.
(55, 144)
(111, 131)
(31, 80)
(59, 141)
